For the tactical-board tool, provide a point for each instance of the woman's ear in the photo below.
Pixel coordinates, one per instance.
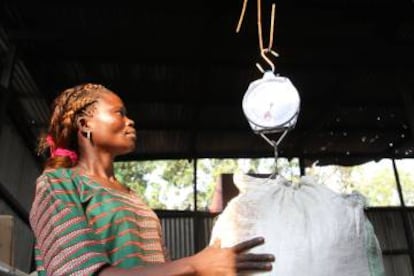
(84, 129)
(82, 124)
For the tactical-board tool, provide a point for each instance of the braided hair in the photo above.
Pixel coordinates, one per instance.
(66, 109)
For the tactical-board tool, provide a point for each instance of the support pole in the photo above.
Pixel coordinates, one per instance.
(302, 166)
(195, 183)
(404, 216)
(397, 180)
(197, 219)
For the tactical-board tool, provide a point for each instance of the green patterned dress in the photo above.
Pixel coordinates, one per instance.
(81, 226)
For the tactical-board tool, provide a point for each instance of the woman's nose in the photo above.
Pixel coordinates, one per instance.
(130, 122)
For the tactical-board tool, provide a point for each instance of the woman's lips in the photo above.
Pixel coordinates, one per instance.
(131, 133)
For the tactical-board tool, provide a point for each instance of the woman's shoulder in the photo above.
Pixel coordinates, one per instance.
(62, 183)
(57, 175)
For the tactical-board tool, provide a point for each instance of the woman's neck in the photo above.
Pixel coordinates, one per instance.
(97, 165)
(102, 173)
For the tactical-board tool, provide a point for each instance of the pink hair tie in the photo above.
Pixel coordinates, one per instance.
(65, 152)
(50, 141)
(60, 151)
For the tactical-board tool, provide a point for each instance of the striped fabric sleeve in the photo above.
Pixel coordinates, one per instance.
(66, 244)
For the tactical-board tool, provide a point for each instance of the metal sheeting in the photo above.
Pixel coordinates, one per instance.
(389, 228)
(185, 232)
(18, 172)
(182, 72)
(178, 236)
(23, 240)
(23, 103)
(397, 265)
(18, 169)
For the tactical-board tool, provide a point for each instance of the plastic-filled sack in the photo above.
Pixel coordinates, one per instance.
(311, 230)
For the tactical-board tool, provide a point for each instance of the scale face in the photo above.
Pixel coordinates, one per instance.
(271, 104)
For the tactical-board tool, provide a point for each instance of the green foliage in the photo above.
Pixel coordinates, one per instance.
(132, 174)
(159, 183)
(168, 184)
(209, 171)
(407, 183)
(375, 180)
(380, 187)
(406, 173)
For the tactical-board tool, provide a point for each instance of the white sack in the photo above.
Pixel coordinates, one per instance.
(311, 230)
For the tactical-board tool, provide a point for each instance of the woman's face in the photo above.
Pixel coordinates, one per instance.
(111, 130)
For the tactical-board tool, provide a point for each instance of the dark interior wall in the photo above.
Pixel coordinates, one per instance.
(18, 173)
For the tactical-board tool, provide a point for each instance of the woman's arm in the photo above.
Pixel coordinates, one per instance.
(175, 268)
(212, 261)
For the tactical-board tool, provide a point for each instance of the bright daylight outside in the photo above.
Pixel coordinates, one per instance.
(169, 184)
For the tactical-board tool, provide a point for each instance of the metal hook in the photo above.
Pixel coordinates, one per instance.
(267, 59)
(275, 169)
(275, 145)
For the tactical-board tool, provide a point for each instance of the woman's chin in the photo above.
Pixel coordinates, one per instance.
(127, 150)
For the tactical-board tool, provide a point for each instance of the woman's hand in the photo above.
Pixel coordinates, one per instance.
(250, 261)
(216, 261)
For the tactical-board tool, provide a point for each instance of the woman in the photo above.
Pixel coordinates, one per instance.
(87, 223)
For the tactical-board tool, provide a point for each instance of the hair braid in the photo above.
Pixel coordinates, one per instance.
(66, 108)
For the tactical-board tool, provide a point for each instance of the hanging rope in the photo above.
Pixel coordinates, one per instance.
(272, 27)
(241, 16)
(263, 51)
(259, 24)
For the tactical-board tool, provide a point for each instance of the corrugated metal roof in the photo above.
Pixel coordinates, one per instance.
(182, 72)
